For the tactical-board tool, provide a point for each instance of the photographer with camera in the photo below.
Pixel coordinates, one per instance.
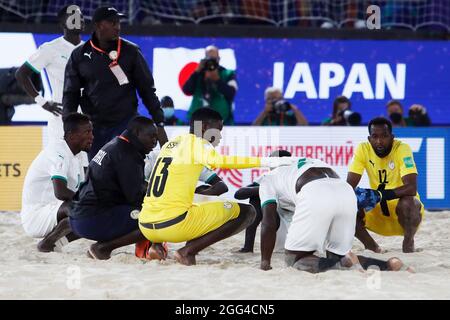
(417, 115)
(279, 112)
(211, 85)
(342, 114)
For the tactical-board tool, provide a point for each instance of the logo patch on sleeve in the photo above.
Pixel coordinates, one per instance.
(409, 163)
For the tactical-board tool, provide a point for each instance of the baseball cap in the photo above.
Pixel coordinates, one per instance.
(104, 13)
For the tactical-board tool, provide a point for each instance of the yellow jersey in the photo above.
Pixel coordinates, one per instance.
(388, 170)
(174, 177)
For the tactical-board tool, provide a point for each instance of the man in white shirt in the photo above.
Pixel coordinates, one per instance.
(319, 209)
(51, 182)
(53, 56)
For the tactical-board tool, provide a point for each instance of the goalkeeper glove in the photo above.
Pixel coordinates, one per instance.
(367, 198)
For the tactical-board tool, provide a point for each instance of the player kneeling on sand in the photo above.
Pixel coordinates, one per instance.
(115, 187)
(169, 214)
(51, 182)
(324, 218)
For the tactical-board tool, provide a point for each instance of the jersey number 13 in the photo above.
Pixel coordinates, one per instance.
(158, 181)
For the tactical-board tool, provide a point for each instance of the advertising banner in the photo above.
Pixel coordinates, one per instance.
(311, 73)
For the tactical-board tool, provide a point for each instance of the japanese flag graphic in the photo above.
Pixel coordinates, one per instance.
(172, 68)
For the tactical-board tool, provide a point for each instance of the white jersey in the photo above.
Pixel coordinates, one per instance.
(205, 176)
(278, 185)
(56, 161)
(53, 56)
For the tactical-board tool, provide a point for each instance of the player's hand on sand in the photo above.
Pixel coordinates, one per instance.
(265, 265)
(53, 107)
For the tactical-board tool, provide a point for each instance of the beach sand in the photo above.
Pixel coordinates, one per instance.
(220, 273)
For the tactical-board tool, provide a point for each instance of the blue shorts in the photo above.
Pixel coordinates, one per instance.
(105, 225)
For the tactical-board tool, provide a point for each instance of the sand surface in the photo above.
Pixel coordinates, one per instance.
(220, 273)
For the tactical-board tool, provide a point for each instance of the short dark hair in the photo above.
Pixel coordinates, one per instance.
(337, 101)
(73, 121)
(205, 115)
(394, 102)
(166, 100)
(380, 121)
(139, 123)
(62, 14)
(281, 153)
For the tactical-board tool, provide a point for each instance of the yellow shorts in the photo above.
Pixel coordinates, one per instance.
(377, 222)
(201, 219)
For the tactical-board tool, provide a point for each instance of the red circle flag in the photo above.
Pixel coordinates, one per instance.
(186, 72)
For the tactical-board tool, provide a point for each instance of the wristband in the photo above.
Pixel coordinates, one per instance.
(388, 194)
(40, 100)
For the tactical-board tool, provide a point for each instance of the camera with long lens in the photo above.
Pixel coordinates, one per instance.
(351, 118)
(280, 106)
(210, 64)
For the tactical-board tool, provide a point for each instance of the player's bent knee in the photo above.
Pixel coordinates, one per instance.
(247, 213)
(408, 211)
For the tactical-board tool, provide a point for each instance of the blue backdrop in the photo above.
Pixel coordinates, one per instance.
(427, 70)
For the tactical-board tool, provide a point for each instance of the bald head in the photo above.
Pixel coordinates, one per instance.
(212, 52)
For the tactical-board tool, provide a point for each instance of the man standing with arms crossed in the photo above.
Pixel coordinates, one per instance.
(110, 69)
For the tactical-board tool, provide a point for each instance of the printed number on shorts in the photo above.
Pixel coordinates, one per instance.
(158, 181)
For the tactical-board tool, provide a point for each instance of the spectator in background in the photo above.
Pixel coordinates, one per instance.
(279, 112)
(417, 115)
(110, 70)
(340, 104)
(169, 112)
(211, 85)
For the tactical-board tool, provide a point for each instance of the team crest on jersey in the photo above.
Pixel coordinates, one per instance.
(391, 165)
(172, 145)
(227, 205)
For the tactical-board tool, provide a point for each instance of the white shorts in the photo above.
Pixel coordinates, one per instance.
(324, 218)
(39, 220)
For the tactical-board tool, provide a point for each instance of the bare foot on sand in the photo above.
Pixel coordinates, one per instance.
(45, 246)
(187, 260)
(395, 264)
(95, 252)
(350, 260)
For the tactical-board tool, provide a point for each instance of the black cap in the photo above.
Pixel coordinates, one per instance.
(104, 13)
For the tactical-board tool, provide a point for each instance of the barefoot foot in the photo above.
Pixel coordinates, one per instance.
(97, 253)
(45, 246)
(395, 264)
(187, 260)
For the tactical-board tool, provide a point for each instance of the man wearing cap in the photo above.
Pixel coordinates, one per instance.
(109, 70)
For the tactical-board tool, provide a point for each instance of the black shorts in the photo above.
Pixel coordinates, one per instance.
(105, 225)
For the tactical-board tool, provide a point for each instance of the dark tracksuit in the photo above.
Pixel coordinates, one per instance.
(114, 187)
(109, 105)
